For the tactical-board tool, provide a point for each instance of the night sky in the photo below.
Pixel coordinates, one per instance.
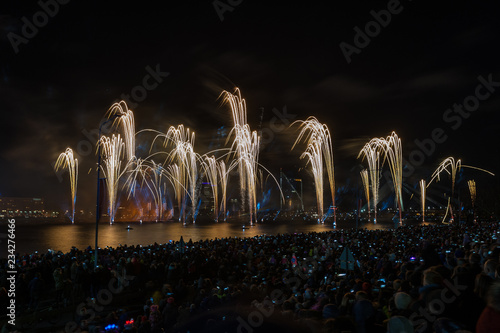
(60, 83)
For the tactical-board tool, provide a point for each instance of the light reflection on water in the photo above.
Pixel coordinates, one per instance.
(42, 236)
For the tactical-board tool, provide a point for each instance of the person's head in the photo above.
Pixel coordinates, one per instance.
(399, 324)
(405, 286)
(402, 300)
(474, 259)
(396, 284)
(361, 295)
(482, 284)
(287, 305)
(493, 297)
(431, 276)
(415, 278)
(348, 300)
(330, 311)
(443, 271)
(490, 267)
(339, 325)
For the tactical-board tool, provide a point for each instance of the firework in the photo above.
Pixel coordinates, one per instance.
(246, 150)
(371, 151)
(448, 209)
(315, 158)
(454, 167)
(210, 166)
(319, 146)
(176, 178)
(422, 198)
(394, 157)
(223, 176)
(187, 160)
(112, 150)
(366, 187)
(152, 175)
(183, 164)
(472, 190)
(126, 121)
(68, 160)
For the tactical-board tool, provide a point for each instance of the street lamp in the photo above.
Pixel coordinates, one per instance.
(97, 215)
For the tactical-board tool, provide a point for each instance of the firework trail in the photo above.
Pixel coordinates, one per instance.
(153, 176)
(176, 178)
(210, 167)
(68, 160)
(366, 187)
(422, 197)
(246, 150)
(394, 157)
(448, 209)
(472, 190)
(223, 176)
(187, 160)
(454, 167)
(371, 151)
(182, 169)
(319, 146)
(126, 121)
(314, 154)
(112, 150)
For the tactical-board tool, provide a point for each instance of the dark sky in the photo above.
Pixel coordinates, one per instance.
(59, 84)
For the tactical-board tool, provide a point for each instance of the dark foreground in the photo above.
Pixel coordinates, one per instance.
(416, 278)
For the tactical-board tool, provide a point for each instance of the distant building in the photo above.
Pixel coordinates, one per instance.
(22, 207)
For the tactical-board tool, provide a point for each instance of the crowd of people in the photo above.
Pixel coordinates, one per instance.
(426, 278)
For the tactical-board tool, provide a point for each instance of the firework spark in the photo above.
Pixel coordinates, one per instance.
(112, 150)
(371, 151)
(319, 147)
(177, 179)
(152, 175)
(314, 154)
(246, 150)
(394, 157)
(210, 166)
(422, 198)
(366, 187)
(454, 167)
(68, 160)
(187, 160)
(223, 176)
(126, 120)
(472, 190)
